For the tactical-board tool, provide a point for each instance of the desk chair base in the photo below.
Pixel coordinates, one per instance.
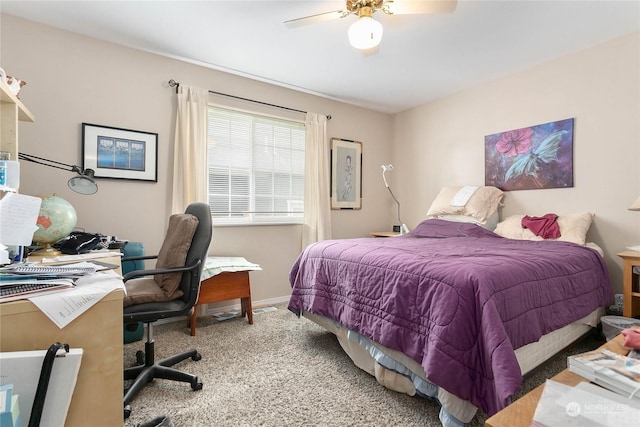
(148, 369)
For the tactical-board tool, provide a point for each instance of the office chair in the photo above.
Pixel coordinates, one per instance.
(177, 278)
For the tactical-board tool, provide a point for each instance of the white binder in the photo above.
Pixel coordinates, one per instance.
(22, 369)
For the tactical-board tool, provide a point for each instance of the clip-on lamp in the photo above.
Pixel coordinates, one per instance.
(403, 227)
(83, 183)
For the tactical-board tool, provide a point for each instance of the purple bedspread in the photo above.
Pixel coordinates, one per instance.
(455, 297)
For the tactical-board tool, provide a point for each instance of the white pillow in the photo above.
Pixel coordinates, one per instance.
(573, 228)
(482, 204)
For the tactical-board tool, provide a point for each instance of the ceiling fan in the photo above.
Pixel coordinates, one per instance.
(366, 33)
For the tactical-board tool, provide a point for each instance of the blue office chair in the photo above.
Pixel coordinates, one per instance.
(148, 290)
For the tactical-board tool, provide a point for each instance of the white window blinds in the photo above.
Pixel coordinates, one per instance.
(256, 168)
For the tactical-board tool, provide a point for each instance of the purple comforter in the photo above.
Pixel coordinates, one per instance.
(455, 297)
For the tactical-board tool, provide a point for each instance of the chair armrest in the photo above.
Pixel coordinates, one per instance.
(137, 258)
(142, 273)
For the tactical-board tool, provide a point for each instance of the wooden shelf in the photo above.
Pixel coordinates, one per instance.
(6, 97)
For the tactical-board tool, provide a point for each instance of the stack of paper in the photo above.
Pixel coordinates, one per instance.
(585, 405)
(20, 281)
(616, 372)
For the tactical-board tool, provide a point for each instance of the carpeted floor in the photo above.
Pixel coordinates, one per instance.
(283, 371)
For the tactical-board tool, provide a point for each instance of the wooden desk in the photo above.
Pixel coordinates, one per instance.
(222, 287)
(97, 397)
(520, 413)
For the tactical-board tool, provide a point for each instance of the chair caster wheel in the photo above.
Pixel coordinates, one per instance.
(197, 385)
(139, 357)
(196, 357)
(127, 411)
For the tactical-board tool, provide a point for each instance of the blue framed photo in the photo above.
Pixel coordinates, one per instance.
(120, 153)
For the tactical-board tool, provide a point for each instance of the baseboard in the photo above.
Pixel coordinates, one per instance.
(255, 304)
(236, 305)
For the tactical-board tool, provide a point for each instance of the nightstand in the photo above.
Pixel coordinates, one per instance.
(384, 234)
(631, 283)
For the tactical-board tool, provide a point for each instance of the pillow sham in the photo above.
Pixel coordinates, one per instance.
(573, 228)
(483, 203)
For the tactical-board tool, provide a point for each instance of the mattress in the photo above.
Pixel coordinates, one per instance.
(398, 372)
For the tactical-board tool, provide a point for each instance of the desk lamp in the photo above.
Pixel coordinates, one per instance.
(83, 183)
(403, 228)
(635, 206)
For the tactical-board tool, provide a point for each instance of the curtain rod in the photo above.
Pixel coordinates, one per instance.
(173, 83)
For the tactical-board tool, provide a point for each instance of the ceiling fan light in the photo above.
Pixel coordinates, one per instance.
(365, 33)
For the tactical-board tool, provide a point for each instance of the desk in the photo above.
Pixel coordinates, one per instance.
(222, 287)
(520, 413)
(97, 398)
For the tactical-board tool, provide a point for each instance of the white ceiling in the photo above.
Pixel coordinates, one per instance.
(421, 57)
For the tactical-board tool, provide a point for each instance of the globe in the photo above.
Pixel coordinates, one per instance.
(56, 219)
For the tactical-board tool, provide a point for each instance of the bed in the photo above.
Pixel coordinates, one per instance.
(452, 311)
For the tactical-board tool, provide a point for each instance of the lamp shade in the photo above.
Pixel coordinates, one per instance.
(365, 33)
(83, 183)
(635, 206)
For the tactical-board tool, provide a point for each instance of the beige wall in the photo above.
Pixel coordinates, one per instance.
(73, 79)
(442, 143)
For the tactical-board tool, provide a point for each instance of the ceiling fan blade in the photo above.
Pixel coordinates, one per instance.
(312, 19)
(404, 7)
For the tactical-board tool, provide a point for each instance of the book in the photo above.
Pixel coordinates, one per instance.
(29, 287)
(9, 407)
(48, 271)
(614, 371)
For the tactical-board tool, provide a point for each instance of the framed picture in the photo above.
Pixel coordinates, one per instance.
(346, 174)
(539, 156)
(120, 153)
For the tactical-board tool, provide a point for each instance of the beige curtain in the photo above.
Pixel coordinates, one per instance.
(190, 148)
(317, 211)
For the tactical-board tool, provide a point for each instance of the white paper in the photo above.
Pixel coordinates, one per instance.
(216, 265)
(564, 406)
(18, 219)
(63, 307)
(463, 195)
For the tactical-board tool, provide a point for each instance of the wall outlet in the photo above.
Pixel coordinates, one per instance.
(618, 299)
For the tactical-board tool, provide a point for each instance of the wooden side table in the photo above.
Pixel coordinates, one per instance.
(520, 413)
(222, 287)
(384, 234)
(631, 285)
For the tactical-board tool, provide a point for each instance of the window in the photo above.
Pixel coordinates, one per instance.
(256, 168)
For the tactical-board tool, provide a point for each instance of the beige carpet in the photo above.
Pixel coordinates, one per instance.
(282, 371)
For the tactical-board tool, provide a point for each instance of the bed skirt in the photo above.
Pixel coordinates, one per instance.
(396, 371)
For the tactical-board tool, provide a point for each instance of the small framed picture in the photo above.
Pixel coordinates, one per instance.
(346, 174)
(120, 153)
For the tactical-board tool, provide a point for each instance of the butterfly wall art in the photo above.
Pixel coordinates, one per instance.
(533, 157)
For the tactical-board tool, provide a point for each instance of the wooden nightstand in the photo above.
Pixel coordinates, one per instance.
(384, 234)
(630, 284)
